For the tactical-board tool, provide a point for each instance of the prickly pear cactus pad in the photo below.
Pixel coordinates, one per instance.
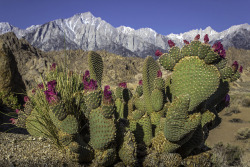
(194, 77)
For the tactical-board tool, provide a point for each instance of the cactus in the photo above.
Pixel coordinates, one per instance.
(164, 116)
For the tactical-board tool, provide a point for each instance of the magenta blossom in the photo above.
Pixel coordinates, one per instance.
(26, 99)
(235, 66)
(107, 95)
(40, 86)
(241, 69)
(197, 37)
(91, 85)
(158, 53)
(186, 42)
(17, 111)
(171, 43)
(51, 85)
(140, 82)
(206, 39)
(53, 67)
(51, 96)
(159, 73)
(13, 121)
(34, 91)
(218, 47)
(123, 85)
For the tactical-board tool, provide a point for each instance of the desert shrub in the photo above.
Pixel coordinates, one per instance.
(232, 110)
(246, 102)
(243, 133)
(226, 155)
(9, 100)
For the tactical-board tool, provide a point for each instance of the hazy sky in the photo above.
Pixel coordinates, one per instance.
(164, 16)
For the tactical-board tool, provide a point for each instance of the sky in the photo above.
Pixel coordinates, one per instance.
(163, 16)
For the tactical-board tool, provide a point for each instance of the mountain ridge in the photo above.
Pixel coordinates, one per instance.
(87, 32)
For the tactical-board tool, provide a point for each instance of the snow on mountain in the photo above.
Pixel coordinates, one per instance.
(87, 32)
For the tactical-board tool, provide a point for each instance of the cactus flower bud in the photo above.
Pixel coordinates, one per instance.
(13, 121)
(241, 69)
(206, 39)
(158, 53)
(186, 42)
(197, 37)
(51, 85)
(107, 95)
(17, 111)
(53, 67)
(26, 99)
(235, 66)
(140, 82)
(171, 43)
(218, 47)
(40, 86)
(159, 74)
(51, 96)
(123, 85)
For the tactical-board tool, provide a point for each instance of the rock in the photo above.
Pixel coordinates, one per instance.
(10, 79)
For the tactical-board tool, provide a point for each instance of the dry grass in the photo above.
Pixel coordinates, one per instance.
(243, 133)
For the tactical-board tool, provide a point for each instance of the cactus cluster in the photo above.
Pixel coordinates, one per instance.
(165, 116)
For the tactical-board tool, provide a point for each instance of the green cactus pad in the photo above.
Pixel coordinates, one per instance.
(139, 91)
(157, 99)
(211, 57)
(185, 51)
(102, 130)
(178, 123)
(36, 125)
(137, 114)
(64, 138)
(108, 110)
(161, 144)
(119, 92)
(93, 99)
(139, 103)
(68, 125)
(192, 76)
(175, 53)
(105, 157)
(167, 61)
(156, 116)
(207, 117)
(235, 76)
(95, 67)
(168, 83)
(59, 111)
(203, 50)
(150, 68)
(119, 113)
(226, 72)
(128, 150)
(159, 83)
(194, 46)
(221, 63)
(145, 123)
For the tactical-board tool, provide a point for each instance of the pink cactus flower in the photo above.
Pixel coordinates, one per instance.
(171, 43)
(13, 121)
(197, 37)
(26, 99)
(123, 85)
(159, 74)
(107, 95)
(40, 86)
(186, 42)
(235, 66)
(17, 111)
(140, 82)
(218, 47)
(53, 67)
(206, 39)
(241, 69)
(158, 53)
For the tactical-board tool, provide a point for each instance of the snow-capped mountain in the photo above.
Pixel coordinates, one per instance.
(87, 32)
